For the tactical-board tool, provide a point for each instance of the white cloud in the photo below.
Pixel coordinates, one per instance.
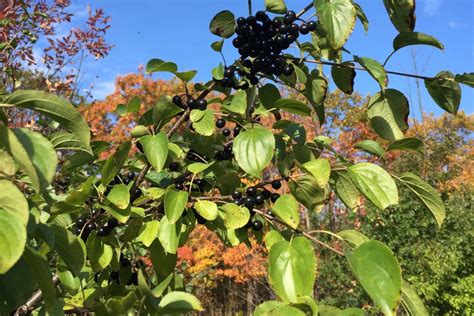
(457, 25)
(103, 89)
(432, 7)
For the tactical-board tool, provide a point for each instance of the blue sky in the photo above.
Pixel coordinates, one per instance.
(178, 31)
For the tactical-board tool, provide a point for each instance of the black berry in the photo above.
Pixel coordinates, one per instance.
(288, 70)
(289, 17)
(236, 195)
(81, 221)
(259, 200)
(191, 103)
(201, 104)
(112, 222)
(257, 225)
(274, 197)
(266, 194)
(103, 231)
(304, 29)
(177, 100)
(237, 130)
(220, 123)
(252, 191)
(276, 184)
(229, 72)
(312, 26)
(179, 186)
(241, 21)
(225, 132)
(174, 166)
(249, 202)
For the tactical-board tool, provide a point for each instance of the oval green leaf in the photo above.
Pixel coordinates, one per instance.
(404, 39)
(343, 76)
(286, 208)
(223, 24)
(375, 69)
(320, 169)
(445, 91)
(402, 14)
(206, 209)
(234, 216)
(175, 202)
(12, 240)
(155, 148)
(13, 201)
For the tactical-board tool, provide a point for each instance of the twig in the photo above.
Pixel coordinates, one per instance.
(306, 9)
(34, 300)
(271, 218)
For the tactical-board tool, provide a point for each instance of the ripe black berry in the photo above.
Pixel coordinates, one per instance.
(89, 227)
(81, 221)
(288, 70)
(276, 184)
(249, 202)
(191, 103)
(201, 104)
(179, 186)
(225, 132)
(266, 194)
(227, 83)
(304, 29)
(229, 72)
(131, 175)
(261, 16)
(112, 223)
(294, 29)
(103, 231)
(312, 26)
(228, 148)
(239, 201)
(251, 20)
(237, 42)
(174, 166)
(254, 81)
(257, 225)
(274, 197)
(124, 262)
(276, 22)
(236, 195)
(259, 200)
(237, 130)
(220, 123)
(252, 191)
(289, 17)
(241, 21)
(177, 101)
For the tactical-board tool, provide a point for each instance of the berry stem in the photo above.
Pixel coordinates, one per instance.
(250, 6)
(306, 9)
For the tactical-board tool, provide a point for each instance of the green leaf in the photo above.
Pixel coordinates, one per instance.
(320, 169)
(410, 143)
(375, 184)
(426, 194)
(268, 95)
(292, 268)
(337, 18)
(465, 78)
(121, 109)
(402, 14)
(179, 302)
(388, 112)
(217, 46)
(223, 24)
(66, 141)
(239, 103)
(99, 253)
(122, 215)
(206, 209)
(175, 202)
(33, 153)
(344, 76)
(133, 105)
(168, 235)
(120, 196)
(361, 16)
(353, 237)
(148, 232)
(316, 91)
(253, 150)
(370, 146)
(293, 106)
(404, 39)
(286, 208)
(345, 189)
(378, 271)
(155, 148)
(218, 72)
(198, 167)
(163, 263)
(70, 248)
(375, 69)
(186, 76)
(164, 111)
(307, 192)
(139, 131)
(203, 121)
(158, 65)
(234, 216)
(39, 265)
(7, 164)
(272, 237)
(275, 6)
(57, 108)
(114, 163)
(411, 301)
(13, 201)
(12, 240)
(275, 308)
(120, 305)
(445, 91)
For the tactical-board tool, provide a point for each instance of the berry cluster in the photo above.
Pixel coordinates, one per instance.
(182, 183)
(226, 153)
(263, 40)
(86, 224)
(124, 264)
(190, 102)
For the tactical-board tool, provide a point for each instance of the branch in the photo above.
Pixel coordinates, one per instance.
(34, 300)
(271, 218)
(306, 9)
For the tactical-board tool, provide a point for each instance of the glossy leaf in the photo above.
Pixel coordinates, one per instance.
(114, 163)
(206, 209)
(99, 253)
(320, 169)
(13, 201)
(379, 273)
(402, 14)
(175, 202)
(286, 208)
(465, 78)
(292, 268)
(445, 91)
(345, 189)
(273, 237)
(163, 262)
(198, 167)
(388, 113)
(253, 150)
(239, 103)
(344, 76)
(119, 196)
(148, 232)
(7, 164)
(55, 107)
(234, 216)
(338, 19)
(370, 146)
(155, 148)
(375, 69)
(307, 192)
(186, 76)
(12, 240)
(217, 46)
(275, 6)
(269, 95)
(203, 121)
(70, 248)
(426, 194)
(158, 65)
(168, 235)
(361, 16)
(293, 106)
(404, 39)
(353, 237)
(179, 302)
(223, 24)
(275, 308)
(375, 184)
(411, 301)
(410, 143)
